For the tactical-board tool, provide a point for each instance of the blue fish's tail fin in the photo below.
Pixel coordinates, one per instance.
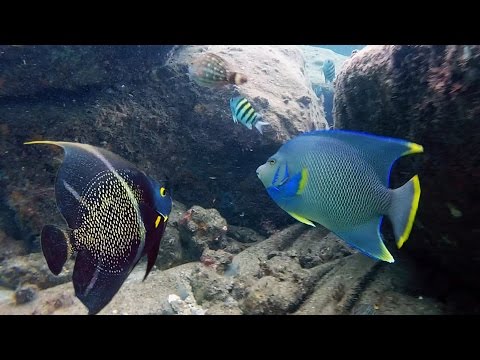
(404, 208)
(260, 123)
(56, 247)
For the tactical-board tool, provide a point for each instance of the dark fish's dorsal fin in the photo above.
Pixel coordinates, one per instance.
(93, 286)
(367, 238)
(155, 225)
(82, 164)
(380, 152)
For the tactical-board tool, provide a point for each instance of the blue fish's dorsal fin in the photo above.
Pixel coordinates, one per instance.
(367, 238)
(380, 151)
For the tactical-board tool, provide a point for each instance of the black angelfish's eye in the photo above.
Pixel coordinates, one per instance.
(163, 192)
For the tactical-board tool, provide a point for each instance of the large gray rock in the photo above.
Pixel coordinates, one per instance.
(202, 229)
(30, 70)
(10, 247)
(277, 86)
(171, 252)
(429, 95)
(31, 269)
(267, 278)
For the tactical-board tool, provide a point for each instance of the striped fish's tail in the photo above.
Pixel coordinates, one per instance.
(56, 247)
(404, 208)
(236, 78)
(259, 124)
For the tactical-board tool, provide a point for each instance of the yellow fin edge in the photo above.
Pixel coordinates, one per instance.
(386, 256)
(41, 142)
(413, 211)
(301, 219)
(413, 149)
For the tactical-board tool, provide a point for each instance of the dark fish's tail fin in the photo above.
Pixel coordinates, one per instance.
(56, 247)
(404, 208)
(237, 78)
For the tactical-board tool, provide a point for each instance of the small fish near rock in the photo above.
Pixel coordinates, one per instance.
(329, 71)
(340, 180)
(115, 214)
(243, 112)
(212, 71)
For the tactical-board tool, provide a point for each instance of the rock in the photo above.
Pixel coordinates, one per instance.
(184, 307)
(216, 259)
(6, 295)
(138, 115)
(29, 70)
(279, 291)
(10, 247)
(202, 229)
(243, 234)
(427, 94)
(170, 252)
(268, 278)
(25, 293)
(210, 287)
(31, 269)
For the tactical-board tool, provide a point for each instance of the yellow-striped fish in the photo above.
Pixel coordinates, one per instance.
(211, 70)
(242, 111)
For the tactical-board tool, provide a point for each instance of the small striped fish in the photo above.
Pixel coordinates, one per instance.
(211, 70)
(329, 71)
(242, 111)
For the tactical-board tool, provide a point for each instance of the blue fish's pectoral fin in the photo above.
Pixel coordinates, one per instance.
(301, 219)
(296, 184)
(234, 119)
(93, 286)
(367, 239)
(380, 151)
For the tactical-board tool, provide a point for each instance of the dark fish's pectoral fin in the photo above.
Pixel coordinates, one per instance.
(55, 247)
(93, 286)
(367, 239)
(155, 225)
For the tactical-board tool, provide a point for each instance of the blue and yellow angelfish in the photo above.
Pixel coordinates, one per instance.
(340, 180)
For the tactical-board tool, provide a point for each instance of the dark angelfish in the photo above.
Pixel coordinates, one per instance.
(115, 215)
